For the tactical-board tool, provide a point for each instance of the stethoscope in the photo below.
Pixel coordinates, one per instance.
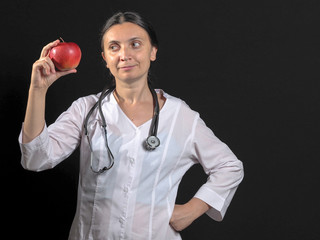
(151, 143)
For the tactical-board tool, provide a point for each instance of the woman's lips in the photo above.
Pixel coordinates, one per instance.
(126, 68)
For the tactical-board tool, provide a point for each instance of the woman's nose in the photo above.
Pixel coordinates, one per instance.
(125, 54)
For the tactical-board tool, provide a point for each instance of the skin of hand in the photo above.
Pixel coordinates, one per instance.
(183, 215)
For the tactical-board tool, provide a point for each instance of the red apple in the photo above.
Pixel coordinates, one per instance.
(65, 56)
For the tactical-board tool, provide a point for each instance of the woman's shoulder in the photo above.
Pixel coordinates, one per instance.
(87, 100)
(177, 103)
(85, 103)
(169, 97)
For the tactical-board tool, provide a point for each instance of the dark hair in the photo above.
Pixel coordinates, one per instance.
(132, 17)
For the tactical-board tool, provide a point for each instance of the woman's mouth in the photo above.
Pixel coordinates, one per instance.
(127, 68)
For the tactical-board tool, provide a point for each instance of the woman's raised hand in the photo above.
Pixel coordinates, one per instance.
(43, 75)
(43, 70)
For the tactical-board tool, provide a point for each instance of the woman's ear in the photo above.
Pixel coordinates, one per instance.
(104, 58)
(153, 55)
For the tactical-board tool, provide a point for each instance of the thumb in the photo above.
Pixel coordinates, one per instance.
(64, 73)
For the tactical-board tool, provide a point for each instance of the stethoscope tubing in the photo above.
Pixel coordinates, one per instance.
(152, 141)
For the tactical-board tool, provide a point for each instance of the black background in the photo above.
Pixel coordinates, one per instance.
(250, 68)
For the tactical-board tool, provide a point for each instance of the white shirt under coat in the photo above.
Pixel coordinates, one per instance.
(136, 197)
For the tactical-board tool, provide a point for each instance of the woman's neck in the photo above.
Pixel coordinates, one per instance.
(132, 93)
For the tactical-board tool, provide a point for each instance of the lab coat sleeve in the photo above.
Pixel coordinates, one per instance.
(55, 143)
(224, 170)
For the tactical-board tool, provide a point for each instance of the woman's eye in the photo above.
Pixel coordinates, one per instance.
(114, 47)
(136, 44)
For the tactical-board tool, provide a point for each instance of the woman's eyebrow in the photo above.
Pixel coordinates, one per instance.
(135, 38)
(113, 41)
(130, 40)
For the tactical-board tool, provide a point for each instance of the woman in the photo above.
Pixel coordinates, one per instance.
(125, 189)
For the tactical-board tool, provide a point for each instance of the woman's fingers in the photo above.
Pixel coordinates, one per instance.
(51, 64)
(46, 65)
(46, 69)
(46, 49)
(42, 67)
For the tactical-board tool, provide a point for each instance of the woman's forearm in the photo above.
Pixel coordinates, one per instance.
(184, 215)
(35, 115)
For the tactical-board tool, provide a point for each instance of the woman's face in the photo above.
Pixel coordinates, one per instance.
(128, 52)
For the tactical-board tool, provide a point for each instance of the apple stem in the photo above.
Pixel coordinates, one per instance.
(61, 39)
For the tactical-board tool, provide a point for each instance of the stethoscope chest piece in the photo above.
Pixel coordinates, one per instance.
(152, 142)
